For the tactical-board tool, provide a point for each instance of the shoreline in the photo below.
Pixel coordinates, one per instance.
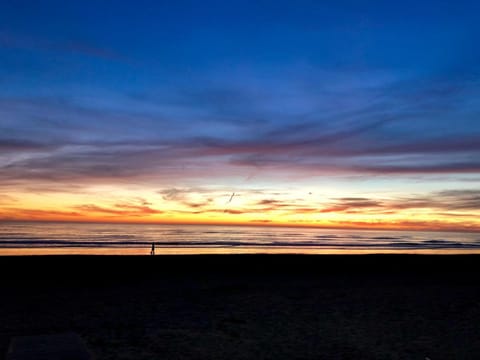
(176, 251)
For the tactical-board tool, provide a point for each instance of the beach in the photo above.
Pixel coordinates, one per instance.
(248, 306)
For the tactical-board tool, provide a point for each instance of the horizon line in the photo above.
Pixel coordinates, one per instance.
(252, 224)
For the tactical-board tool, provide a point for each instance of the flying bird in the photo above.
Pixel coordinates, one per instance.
(229, 201)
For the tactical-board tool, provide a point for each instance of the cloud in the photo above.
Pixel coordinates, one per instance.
(234, 211)
(472, 166)
(93, 163)
(121, 209)
(351, 204)
(446, 145)
(16, 41)
(271, 202)
(124, 161)
(20, 145)
(38, 214)
(448, 201)
(460, 199)
(7, 199)
(197, 205)
(142, 201)
(312, 141)
(266, 205)
(195, 198)
(174, 194)
(314, 128)
(463, 203)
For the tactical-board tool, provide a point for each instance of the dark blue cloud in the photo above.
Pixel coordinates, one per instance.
(144, 89)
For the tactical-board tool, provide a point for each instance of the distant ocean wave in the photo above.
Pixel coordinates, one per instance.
(104, 236)
(433, 244)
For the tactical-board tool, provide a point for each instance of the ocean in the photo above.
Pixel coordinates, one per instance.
(30, 238)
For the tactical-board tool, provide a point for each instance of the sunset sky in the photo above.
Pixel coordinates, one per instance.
(321, 113)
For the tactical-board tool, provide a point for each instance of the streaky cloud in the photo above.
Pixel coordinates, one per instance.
(445, 168)
(29, 42)
(118, 210)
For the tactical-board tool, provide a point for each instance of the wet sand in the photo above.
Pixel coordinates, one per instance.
(248, 306)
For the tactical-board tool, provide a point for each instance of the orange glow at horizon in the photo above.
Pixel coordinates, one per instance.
(247, 207)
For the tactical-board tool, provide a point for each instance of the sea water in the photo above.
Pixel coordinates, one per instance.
(29, 238)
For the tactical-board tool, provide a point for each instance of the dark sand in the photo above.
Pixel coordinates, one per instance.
(248, 306)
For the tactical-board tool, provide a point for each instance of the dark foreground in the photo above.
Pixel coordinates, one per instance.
(248, 306)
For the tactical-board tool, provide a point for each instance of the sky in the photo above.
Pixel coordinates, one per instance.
(300, 113)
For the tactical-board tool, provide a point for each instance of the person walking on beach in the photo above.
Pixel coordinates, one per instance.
(152, 252)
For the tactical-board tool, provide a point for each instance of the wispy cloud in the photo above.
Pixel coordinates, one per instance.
(11, 213)
(175, 194)
(19, 145)
(200, 199)
(7, 199)
(127, 210)
(389, 130)
(351, 204)
(29, 42)
(470, 167)
(441, 201)
(460, 199)
(183, 120)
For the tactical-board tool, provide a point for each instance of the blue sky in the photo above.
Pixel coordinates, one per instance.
(240, 95)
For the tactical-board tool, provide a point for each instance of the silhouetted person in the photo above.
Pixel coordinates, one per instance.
(152, 252)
